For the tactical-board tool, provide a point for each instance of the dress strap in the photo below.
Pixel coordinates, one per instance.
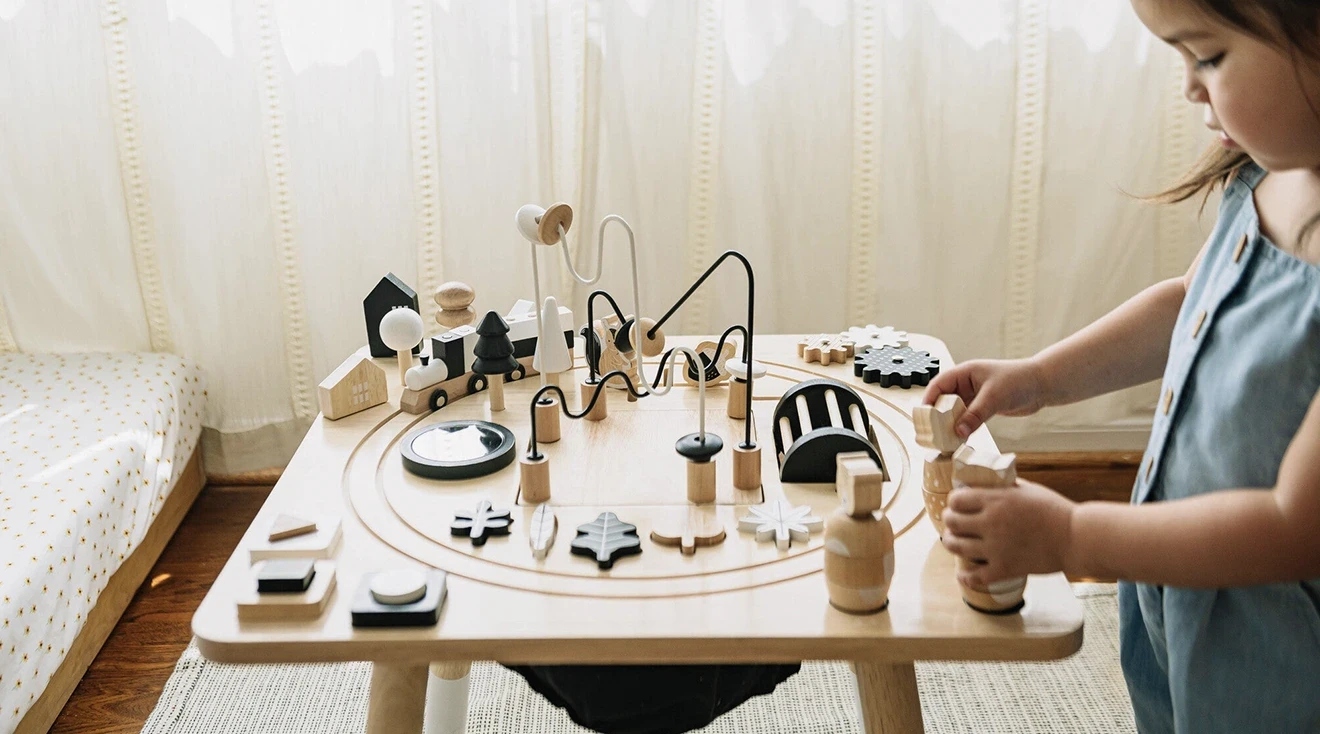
(1250, 175)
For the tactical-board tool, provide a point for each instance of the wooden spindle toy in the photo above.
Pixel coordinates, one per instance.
(455, 302)
(935, 428)
(401, 330)
(859, 548)
(988, 470)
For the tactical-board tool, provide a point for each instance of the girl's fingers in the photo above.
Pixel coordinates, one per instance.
(972, 548)
(961, 525)
(966, 501)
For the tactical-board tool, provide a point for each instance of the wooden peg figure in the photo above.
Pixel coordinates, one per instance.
(984, 469)
(401, 330)
(455, 301)
(935, 427)
(859, 548)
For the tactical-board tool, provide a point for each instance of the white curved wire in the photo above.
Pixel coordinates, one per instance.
(669, 382)
(645, 387)
(536, 287)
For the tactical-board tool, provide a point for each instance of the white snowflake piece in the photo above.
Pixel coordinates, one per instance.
(876, 337)
(781, 521)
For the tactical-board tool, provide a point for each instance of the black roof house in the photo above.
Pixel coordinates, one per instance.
(390, 293)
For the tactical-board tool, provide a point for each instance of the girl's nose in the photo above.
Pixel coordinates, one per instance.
(1193, 89)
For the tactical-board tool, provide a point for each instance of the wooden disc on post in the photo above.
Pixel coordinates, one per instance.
(701, 482)
(558, 215)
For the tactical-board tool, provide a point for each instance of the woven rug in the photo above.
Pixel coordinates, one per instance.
(1084, 693)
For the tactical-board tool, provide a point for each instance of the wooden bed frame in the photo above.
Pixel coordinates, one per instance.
(115, 599)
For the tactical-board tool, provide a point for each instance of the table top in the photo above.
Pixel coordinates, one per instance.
(738, 601)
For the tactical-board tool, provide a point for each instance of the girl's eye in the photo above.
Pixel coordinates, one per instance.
(1209, 63)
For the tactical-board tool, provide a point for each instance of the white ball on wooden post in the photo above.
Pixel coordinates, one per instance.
(400, 330)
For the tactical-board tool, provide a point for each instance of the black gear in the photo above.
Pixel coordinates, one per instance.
(896, 366)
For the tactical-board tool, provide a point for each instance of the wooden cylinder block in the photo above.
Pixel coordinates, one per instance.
(747, 467)
(1001, 596)
(859, 561)
(737, 408)
(589, 389)
(534, 479)
(701, 482)
(547, 421)
(937, 475)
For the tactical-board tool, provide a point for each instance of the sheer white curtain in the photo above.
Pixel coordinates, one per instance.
(226, 179)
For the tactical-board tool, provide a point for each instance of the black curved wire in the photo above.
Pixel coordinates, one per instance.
(747, 345)
(535, 454)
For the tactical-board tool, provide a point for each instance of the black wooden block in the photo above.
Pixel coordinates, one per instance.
(367, 612)
(291, 575)
(389, 293)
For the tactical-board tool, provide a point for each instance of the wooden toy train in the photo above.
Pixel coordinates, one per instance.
(446, 372)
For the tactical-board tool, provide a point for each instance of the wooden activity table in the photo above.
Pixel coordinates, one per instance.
(736, 602)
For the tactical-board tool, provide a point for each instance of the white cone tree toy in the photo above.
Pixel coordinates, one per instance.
(401, 329)
(552, 355)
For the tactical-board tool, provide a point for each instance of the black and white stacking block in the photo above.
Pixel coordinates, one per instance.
(412, 598)
(285, 576)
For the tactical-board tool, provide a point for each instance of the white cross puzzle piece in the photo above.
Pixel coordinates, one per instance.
(876, 337)
(781, 521)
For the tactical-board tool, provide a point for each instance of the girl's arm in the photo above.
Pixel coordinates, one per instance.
(1231, 538)
(1125, 347)
(1238, 537)
(1140, 330)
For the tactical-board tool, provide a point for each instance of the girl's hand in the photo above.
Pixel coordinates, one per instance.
(991, 387)
(1026, 529)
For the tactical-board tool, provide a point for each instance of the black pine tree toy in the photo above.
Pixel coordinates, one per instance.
(494, 356)
(896, 366)
(482, 523)
(607, 538)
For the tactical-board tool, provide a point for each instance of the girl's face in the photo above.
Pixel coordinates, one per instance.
(1261, 97)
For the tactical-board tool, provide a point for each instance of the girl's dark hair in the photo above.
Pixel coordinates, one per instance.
(1293, 25)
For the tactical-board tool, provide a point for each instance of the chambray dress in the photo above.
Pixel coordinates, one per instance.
(1243, 368)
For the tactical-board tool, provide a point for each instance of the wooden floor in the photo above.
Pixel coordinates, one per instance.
(124, 682)
(126, 679)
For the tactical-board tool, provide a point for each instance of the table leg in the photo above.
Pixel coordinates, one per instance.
(447, 698)
(889, 698)
(398, 699)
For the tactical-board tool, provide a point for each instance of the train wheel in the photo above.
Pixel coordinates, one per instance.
(477, 383)
(516, 375)
(439, 399)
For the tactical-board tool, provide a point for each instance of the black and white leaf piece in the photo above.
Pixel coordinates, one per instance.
(481, 524)
(896, 366)
(607, 538)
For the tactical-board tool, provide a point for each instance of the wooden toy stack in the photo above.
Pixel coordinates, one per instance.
(859, 547)
(935, 431)
(988, 470)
